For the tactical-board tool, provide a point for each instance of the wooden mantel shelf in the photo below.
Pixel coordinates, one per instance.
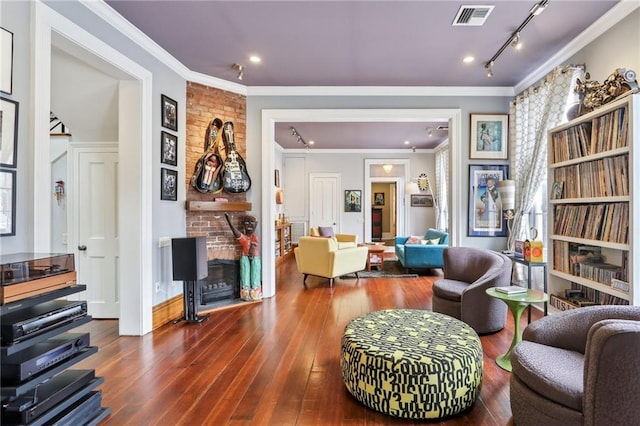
(213, 206)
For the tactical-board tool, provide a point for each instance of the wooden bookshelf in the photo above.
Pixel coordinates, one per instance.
(592, 234)
(283, 245)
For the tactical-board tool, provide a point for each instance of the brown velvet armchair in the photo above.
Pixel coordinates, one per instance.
(468, 272)
(578, 367)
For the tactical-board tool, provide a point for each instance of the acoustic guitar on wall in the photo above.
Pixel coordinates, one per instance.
(235, 178)
(207, 176)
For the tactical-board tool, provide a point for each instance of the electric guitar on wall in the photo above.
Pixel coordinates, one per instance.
(235, 178)
(207, 177)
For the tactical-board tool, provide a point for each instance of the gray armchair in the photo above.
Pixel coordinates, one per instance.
(468, 272)
(578, 367)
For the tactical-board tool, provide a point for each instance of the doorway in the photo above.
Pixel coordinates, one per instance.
(134, 138)
(384, 210)
(271, 116)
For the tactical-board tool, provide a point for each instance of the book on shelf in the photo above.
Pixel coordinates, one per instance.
(512, 289)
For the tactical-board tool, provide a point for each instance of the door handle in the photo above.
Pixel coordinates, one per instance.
(82, 248)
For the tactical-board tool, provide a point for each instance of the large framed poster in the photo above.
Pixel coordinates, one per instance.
(485, 206)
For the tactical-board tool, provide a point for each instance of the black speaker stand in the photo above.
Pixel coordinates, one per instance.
(189, 304)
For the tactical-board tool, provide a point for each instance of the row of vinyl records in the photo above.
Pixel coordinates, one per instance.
(587, 262)
(603, 133)
(602, 222)
(606, 177)
(583, 296)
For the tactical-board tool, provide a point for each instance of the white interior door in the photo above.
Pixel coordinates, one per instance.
(95, 226)
(324, 200)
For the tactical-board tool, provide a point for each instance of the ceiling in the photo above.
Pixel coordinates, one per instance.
(358, 43)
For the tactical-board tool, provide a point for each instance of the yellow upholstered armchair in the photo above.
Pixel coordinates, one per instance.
(324, 258)
(344, 240)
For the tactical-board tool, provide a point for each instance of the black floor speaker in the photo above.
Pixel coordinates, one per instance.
(189, 260)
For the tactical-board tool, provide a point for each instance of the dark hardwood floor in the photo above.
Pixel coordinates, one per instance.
(270, 363)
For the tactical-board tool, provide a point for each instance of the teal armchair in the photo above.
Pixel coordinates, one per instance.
(426, 253)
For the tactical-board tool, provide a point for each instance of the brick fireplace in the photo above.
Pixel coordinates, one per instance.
(203, 104)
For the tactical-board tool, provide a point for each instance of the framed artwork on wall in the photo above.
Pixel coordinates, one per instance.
(6, 61)
(7, 203)
(421, 200)
(169, 149)
(168, 184)
(489, 137)
(353, 201)
(8, 132)
(169, 113)
(486, 218)
(378, 199)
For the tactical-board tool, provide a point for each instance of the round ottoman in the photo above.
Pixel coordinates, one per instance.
(412, 363)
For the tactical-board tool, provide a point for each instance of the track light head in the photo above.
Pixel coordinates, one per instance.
(515, 42)
(240, 69)
(538, 8)
(489, 68)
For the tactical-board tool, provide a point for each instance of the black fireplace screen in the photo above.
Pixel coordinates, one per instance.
(222, 283)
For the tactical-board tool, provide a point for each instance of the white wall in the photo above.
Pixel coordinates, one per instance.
(14, 16)
(617, 48)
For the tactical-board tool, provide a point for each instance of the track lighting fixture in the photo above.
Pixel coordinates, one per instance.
(240, 69)
(514, 40)
(299, 138)
(489, 68)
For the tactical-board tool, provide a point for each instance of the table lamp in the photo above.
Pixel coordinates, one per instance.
(507, 191)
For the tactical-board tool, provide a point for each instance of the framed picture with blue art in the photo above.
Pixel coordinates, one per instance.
(489, 137)
(486, 218)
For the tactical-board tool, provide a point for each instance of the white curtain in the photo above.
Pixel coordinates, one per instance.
(531, 115)
(442, 172)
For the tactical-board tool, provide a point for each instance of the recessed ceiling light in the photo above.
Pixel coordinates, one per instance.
(406, 142)
(468, 59)
(255, 59)
(312, 142)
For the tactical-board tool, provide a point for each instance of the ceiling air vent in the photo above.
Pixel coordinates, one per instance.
(474, 15)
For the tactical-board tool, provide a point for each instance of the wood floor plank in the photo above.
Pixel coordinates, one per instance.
(271, 363)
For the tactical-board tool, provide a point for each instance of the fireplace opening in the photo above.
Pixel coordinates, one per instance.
(222, 285)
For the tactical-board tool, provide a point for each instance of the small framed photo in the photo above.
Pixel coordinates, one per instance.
(489, 137)
(421, 200)
(353, 201)
(169, 149)
(7, 203)
(378, 199)
(556, 190)
(169, 113)
(6, 61)
(8, 132)
(168, 184)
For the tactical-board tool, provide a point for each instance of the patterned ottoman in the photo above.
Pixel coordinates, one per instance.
(412, 363)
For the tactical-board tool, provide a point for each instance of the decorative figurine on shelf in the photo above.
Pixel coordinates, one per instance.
(593, 94)
(250, 263)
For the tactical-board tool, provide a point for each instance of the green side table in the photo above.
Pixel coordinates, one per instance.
(517, 303)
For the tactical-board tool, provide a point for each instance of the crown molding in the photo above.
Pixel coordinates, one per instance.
(379, 91)
(315, 151)
(609, 19)
(113, 18)
(217, 83)
(595, 30)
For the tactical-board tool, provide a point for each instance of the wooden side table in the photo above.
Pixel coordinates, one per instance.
(375, 256)
(517, 303)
